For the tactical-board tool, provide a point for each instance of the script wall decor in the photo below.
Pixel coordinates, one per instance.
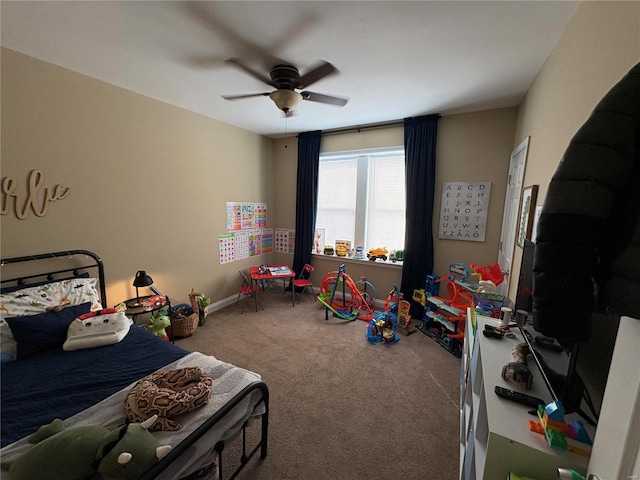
(37, 197)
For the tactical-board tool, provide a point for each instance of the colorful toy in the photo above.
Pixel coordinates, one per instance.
(368, 292)
(492, 273)
(158, 323)
(383, 328)
(352, 303)
(359, 255)
(393, 300)
(444, 318)
(203, 302)
(396, 256)
(419, 296)
(80, 452)
(560, 434)
(404, 319)
(375, 253)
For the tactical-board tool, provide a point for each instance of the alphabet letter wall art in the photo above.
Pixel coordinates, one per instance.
(463, 210)
(38, 197)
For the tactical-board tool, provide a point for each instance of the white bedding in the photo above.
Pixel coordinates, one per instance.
(228, 380)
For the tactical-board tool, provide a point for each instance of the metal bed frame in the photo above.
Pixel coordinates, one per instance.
(80, 261)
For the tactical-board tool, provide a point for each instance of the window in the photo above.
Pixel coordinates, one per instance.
(361, 198)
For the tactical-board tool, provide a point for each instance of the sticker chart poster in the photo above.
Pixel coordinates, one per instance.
(463, 211)
(255, 242)
(247, 235)
(246, 216)
(241, 245)
(260, 215)
(226, 247)
(267, 240)
(234, 216)
(281, 240)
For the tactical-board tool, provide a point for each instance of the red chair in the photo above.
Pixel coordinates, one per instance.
(248, 291)
(303, 281)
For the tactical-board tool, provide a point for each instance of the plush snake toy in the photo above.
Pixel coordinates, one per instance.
(168, 394)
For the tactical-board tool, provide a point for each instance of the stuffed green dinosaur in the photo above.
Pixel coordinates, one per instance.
(76, 453)
(158, 323)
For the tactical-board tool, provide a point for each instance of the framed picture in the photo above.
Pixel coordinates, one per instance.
(318, 241)
(527, 206)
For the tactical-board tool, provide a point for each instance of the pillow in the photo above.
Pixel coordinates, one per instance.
(95, 329)
(38, 333)
(33, 300)
(8, 344)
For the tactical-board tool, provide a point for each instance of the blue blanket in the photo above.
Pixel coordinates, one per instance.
(59, 384)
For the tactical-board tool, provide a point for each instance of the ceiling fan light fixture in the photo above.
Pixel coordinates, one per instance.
(285, 100)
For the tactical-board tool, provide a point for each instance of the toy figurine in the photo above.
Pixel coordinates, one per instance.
(517, 371)
(158, 324)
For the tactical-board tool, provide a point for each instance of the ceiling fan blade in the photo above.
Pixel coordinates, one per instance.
(318, 72)
(247, 95)
(263, 78)
(319, 97)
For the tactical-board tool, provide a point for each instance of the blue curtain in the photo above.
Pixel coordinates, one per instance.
(420, 169)
(306, 197)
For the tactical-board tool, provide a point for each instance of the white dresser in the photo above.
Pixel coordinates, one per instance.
(494, 433)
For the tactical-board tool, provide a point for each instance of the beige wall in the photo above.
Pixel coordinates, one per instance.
(148, 181)
(598, 47)
(470, 147)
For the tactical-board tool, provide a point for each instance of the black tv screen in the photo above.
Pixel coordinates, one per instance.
(524, 293)
(560, 368)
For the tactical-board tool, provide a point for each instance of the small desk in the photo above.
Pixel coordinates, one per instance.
(278, 271)
(147, 305)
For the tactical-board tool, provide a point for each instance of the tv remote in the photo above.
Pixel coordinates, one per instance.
(519, 397)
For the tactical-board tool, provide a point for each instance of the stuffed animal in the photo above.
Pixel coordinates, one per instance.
(168, 394)
(75, 453)
(97, 328)
(158, 324)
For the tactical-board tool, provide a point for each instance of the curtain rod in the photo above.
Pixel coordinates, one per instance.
(357, 128)
(366, 126)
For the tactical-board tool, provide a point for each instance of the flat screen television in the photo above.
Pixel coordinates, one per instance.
(575, 375)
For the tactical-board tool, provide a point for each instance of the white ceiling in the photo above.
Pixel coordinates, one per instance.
(395, 59)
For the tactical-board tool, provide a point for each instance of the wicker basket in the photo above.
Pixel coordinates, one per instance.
(185, 327)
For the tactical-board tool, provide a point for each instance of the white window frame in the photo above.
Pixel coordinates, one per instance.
(362, 162)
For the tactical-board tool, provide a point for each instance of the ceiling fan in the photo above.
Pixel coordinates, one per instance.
(286, 79)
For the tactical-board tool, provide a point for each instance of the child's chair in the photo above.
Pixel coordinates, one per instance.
(248, 291)
(303, 281)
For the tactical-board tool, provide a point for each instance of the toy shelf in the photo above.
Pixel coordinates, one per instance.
(494, 433)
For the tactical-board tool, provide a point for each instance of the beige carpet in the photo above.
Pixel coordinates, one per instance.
(341, 408)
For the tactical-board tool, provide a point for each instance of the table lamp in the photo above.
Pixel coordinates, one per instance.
(141, 280)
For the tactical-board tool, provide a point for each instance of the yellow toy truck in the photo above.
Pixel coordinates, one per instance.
(375, 253)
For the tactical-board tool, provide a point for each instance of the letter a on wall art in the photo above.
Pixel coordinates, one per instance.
(463, 211)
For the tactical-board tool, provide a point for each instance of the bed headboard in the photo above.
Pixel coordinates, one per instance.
(48, 267)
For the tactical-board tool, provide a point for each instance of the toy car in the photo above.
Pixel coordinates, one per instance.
(341, 249)
(375, 253)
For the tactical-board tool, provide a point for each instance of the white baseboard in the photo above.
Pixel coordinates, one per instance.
(220, 304)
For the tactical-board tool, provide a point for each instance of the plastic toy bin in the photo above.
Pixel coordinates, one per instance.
(489, 304)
